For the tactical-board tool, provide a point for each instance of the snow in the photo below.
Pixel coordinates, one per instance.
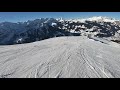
(61, 19)
(100, 18)
(83, 26)
(96, 18)
(61, 57)
(118, 31)
(53, 24)
(19, 40)
(82, 20)
(28, 23)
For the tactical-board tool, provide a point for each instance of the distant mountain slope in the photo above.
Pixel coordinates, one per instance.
(30, 31)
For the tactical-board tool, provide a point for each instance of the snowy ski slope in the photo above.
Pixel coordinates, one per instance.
(61, 57)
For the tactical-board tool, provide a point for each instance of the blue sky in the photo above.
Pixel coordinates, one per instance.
(24, 16)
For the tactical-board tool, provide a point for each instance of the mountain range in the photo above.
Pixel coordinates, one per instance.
(44, 28)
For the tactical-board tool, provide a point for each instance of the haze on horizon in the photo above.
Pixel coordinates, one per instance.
(25, 16)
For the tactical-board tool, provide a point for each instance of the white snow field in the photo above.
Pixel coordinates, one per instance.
(61, 57)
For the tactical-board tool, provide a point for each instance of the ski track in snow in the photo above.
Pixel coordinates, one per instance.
(60, 57)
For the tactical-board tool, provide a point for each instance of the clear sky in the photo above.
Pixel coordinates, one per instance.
(24, 16)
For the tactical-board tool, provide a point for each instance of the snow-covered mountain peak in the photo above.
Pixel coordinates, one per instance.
(101, 19)
(60, 19)
(94, 18)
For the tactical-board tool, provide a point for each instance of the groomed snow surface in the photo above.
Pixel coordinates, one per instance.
(61, 57)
